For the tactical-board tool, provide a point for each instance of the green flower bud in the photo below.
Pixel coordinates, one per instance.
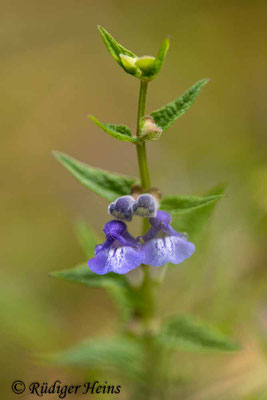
(146, 67)
(129, 64)
(146, 64)
(149, 130)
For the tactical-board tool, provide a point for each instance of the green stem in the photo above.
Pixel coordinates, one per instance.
(141, 147)
(146, 311)
(148, 307)
(146, 290)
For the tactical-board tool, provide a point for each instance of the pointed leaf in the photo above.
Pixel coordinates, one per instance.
(116, 285)
(159, 60)
(105, 184)
(194, 220)
(116, 50)
(185, 204)
(113, 46)
(185, 333)
(167, 115)
(120, 353)
(82, 274)
(120, 132)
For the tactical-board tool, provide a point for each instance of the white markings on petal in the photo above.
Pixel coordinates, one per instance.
(171, 249)
(123, 259)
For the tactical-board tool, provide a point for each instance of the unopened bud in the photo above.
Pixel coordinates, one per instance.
(129, 64)
(122, 208)
(145, 63)
(149, 130)
(145, 206)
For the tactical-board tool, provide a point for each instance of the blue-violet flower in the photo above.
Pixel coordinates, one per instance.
(120, 253)
(162, 244)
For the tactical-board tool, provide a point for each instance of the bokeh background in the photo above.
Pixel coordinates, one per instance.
(55, 70)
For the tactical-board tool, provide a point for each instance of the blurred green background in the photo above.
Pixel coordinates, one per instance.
(55, 70)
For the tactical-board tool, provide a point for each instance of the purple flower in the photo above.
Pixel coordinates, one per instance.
(122, 208)
(120, 253)
(162, 244)
(145, 206)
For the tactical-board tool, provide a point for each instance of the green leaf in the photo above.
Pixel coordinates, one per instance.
(116, 285)
(113, 46)
(185, 204)
(82, 274)
(105, 184)
(116, 49)
(121, 353)
(194, 220)
(86, 238)
(185, 333)
(126, 297)
(120, 132)
(167, 115)
(159, 60)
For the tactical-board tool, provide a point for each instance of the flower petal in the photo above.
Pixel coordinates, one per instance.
(151, 234)
(173, 249)
(119, 259)
(172, 232)
(162, 219)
